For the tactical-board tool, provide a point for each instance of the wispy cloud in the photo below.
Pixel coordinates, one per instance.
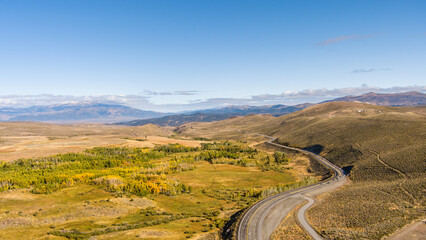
(368, 70)
(50, 99)
(344, 38)
(155, 93)
(144, 102)
(290, 97)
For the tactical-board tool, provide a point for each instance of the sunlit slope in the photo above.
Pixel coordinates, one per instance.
(58, 130)
(349, 132)
(345, 130)
(226, 129)
(34, 139)
(382, 148)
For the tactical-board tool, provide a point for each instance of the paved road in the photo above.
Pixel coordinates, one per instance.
(301, 216)
(261, 219)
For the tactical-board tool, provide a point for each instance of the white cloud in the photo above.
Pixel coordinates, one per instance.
(143, 101)
(297, 97)
(363, 70)
(50, 99)
(184, 93)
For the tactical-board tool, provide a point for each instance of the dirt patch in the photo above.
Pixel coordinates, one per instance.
(78, 213)
(104, 210)
(134, 202)
(138, 234)
(207, 236)
(414, 231)
(164, 140)
(16, 222)
(19, 194)
(300, 165)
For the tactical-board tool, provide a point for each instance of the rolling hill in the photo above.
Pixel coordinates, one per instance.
(217, 114)
(79, 112)
(381, 148)
(211, 115)
(113, 113)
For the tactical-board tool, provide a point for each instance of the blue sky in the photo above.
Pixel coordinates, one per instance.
(178, 55)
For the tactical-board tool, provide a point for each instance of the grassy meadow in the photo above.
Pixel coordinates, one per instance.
(170, 191)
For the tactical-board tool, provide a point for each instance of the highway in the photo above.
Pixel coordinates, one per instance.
(262, 218)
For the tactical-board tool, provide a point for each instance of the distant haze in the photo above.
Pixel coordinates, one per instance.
(147, 101)
(80, 112)
(109, 113)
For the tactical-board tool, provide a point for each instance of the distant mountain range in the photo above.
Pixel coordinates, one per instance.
(392, 99)
(217, 114)
(113, 113)
(79, 112)
(211, 115)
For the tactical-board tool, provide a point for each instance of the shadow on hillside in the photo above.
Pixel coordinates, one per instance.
(347, 169)
(228, 231)
(317, 148)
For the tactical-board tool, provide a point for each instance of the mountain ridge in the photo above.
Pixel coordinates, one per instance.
(124, 115)
(387, 99)
(211, 115)
(76, 112)
(217, 114)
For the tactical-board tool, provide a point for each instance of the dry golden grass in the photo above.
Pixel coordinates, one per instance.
(384, 147)
(226, 129)
(84, 208)
(141, 234)
(414, 231)
(289, 228)
(31, 139)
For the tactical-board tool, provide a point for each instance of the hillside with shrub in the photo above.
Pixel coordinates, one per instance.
(381, 148)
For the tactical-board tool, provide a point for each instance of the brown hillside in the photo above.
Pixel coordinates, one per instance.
(382, 148)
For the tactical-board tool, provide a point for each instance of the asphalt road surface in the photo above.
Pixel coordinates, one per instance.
(262, 218)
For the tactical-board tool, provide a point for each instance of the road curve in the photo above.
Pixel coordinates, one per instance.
(301, 216)
(262, 218)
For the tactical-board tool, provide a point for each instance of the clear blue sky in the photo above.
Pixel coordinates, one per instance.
(226, 49)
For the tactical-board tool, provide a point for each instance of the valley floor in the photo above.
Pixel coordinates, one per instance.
(96, 206)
